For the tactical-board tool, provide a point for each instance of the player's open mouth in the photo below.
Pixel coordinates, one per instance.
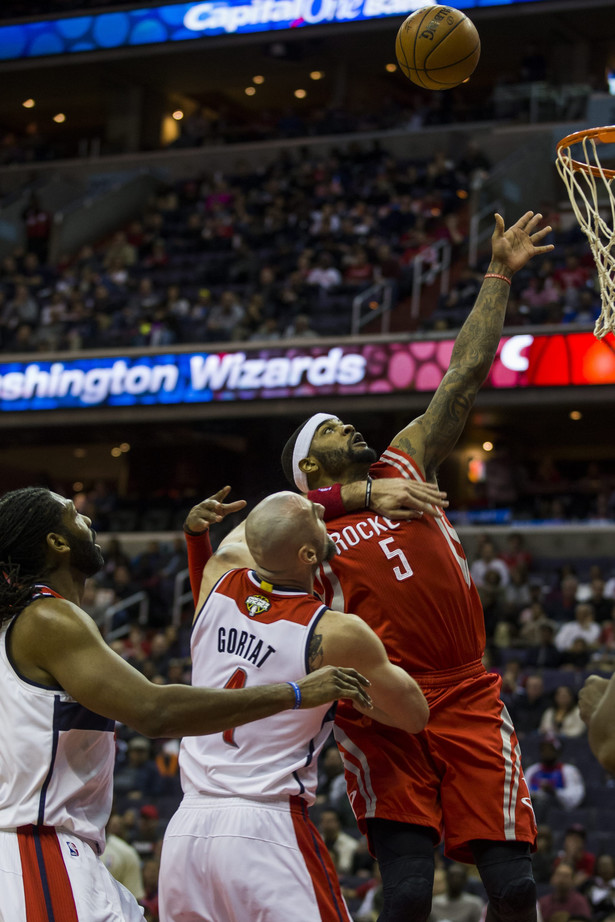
(358, 439)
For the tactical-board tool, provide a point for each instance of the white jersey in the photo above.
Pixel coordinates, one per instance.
(56, 757)
(249, 633)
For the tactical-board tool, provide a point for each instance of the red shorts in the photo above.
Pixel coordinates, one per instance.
(461, 776)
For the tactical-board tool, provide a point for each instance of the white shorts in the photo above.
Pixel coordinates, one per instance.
(229, 859)
(50, 875)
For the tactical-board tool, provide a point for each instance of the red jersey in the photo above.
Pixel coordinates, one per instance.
(410, 581)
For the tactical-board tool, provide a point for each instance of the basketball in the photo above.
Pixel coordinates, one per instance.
(437, 47)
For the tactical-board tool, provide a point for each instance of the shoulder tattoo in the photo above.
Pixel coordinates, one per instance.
(316, 652)
(406, 445)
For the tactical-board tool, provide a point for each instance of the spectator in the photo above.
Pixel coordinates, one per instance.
(599, 889)
(545, 654)
(138, 778)
(563, 898)
(531, 621)
(341, 846)
(324, 275)
(120, 858)
(554, 783)
(601, 605)
(147, 837)
(543, 859)
(300, 328)
(528, 705)
(149, 900)
(562, 601)
(456, 904)
(516, 553)
(488, 560)
(584, 627)
(573, 853)
(224, 318)
(563, 717)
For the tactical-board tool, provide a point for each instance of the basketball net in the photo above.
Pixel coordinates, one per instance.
(591, 195)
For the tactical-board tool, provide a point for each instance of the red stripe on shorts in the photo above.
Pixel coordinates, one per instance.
(331, 905)
(47, 889)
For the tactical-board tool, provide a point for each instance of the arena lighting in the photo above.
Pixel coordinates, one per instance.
(391, 68)
(250, 91)
(575, 415)
(116, 452)
(125, 446)
(59, 118)
(487, 446)
(178, 115)
(259, 79)
(300, 94)
(316, 75)
(28, 103)
(77, 486)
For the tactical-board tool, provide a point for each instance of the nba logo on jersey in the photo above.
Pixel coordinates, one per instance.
(257, 604)
(72, 848)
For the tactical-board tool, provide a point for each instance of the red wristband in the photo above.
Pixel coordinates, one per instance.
(199, 551)
(331, 499)
(496, 275)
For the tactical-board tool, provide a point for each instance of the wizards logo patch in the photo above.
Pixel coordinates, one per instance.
(257, 605)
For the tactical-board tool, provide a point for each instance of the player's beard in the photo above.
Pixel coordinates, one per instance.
(330, 550)
(338, 461)
(85, 555)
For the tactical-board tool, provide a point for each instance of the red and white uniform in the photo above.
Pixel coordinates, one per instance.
(241, 845)
(410, 582)
(56, 787)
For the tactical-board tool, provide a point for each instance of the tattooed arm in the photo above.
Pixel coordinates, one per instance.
(345, 640)
(430, 438)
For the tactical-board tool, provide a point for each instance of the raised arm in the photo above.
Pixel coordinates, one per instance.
(196, 529)
(62, 644)
(430, 438)
(395, 498)
(346, 640)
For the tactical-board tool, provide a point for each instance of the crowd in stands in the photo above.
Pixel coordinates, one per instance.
(268, 254)
(551, 627)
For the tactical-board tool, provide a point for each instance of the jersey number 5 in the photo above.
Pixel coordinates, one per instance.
(237, 680)
(403, 570)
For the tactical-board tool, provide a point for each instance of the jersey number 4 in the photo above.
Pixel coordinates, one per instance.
(237, 680)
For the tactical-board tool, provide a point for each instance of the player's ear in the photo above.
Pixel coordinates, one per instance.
(57, 543)
(309, 465)
(307, 555)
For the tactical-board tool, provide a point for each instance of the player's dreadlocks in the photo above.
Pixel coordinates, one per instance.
(26, 518)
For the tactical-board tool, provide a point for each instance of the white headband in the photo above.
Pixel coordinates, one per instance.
(302, 447)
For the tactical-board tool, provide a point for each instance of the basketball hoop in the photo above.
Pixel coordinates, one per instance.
(592, 197)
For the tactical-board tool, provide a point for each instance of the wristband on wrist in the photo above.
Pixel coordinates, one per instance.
(195, 534)
(368, 491)
(199, 551)
(297, 692)
(496, 275)
(331, 499)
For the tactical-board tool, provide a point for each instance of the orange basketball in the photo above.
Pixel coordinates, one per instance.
(437, 47)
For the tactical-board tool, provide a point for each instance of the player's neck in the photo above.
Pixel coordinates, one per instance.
(352, 474)
(67, 584)
(283, 579)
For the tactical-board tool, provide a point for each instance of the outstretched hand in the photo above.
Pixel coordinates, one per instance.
(514, 247)
(331, 683)
(211, 511)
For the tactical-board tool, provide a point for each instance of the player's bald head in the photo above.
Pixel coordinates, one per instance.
(278, 527)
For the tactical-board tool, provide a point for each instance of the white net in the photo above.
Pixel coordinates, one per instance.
(589, 186)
